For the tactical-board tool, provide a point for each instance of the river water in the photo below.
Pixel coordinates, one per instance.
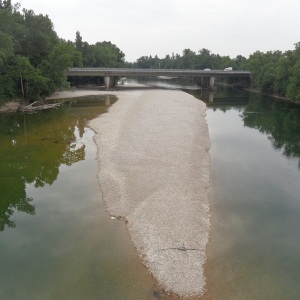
(57, 241)
(255, 243)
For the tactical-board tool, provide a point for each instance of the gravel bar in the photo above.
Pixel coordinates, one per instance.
(154, 171)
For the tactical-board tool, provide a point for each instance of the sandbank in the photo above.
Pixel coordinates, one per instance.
(154, 172)
(77, 93)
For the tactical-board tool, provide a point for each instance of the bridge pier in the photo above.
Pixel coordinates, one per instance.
(110, 82)
(207, 82)
(114, 81)
(107, 83)
(211, 82)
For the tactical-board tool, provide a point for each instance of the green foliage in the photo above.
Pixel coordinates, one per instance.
(27, 43)
(277, 119)
(34, 61)
(55, 66)
(100, 55)
(78, 42)
(275, 72)
(188, 60)
(104, 54)
(32, 82)
(6, 47)
(39, 38)
(293, 88)
(272, 72)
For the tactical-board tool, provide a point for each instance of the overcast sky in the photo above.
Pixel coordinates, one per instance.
(160, 27)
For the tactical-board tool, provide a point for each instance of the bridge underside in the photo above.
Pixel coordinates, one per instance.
(206, 78)
(207, 82)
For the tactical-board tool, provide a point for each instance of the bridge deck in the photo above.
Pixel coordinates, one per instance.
(152, 72)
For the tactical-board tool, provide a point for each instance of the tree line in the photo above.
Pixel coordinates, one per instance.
(272, 72)
(102, 54)
(34, 60)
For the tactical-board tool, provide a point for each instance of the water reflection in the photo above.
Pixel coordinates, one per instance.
(221, 97)
(33, 147)
(278, 120)
(254, 245)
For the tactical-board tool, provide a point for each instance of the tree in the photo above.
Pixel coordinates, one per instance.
(282, 76)
(102, 54)
(40, 37)
(6, 47)
(31, 80)
(6, 5)
(293, 88)
(78, 42)
(187, 60)
(55, 66)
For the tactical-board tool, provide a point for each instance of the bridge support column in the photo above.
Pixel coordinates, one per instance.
(211, 82)
(199, 80)
(107, 82)
(205, 82)
(113, 81)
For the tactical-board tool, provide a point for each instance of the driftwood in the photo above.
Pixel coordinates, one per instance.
(181, 248)
(37, 106)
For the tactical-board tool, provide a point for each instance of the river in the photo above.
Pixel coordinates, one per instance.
(255, 244)
(58, 242)
(56, 238)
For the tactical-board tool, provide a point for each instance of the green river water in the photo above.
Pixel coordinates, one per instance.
(56, 239)
(58, 242)
(254, 251)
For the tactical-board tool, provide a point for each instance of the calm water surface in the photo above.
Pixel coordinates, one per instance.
(56, 239)
(255, 243)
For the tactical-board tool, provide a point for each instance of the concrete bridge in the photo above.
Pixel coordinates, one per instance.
(111, 74)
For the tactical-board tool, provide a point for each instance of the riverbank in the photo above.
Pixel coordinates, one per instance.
(15, 105)
(10, 107)
(275, 97)
(154, 173)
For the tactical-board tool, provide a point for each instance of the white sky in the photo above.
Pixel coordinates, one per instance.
(160, 27)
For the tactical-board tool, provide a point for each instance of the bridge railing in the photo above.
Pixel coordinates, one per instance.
(151, 72)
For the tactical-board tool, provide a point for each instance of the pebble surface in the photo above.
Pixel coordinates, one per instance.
(154, 171)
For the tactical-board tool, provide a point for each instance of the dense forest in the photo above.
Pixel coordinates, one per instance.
(34, 60)
(272, 72)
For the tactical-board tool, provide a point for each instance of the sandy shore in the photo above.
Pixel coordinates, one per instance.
(78, 93)
(154, 170)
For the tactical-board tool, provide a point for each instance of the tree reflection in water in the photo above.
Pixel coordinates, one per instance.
(32, 148)
(281, 122)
